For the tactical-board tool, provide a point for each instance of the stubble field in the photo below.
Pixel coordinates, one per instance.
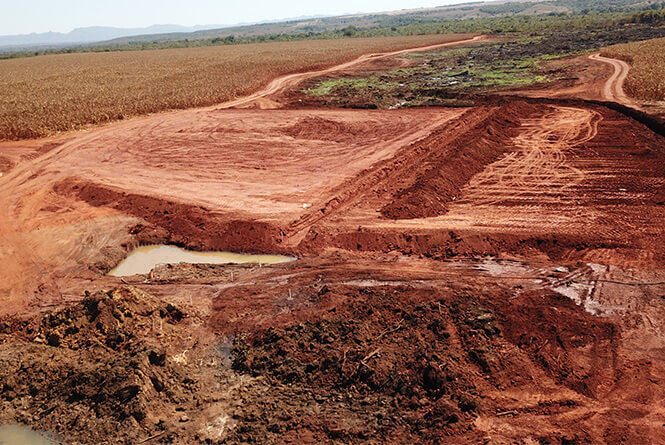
(41, 96)
(646, 79)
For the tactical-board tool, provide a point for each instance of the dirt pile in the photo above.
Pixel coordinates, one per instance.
(176, 223)
(327, 130)
(389, 367)
(369, 362)
(445, 165)
(399, 364)
(99, 370)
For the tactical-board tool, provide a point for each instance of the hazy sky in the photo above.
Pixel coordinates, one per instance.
(26, 16)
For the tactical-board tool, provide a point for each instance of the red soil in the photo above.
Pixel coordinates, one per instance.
(395, 325)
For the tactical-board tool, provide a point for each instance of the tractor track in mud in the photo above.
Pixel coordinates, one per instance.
(483, 274)
(539, 160)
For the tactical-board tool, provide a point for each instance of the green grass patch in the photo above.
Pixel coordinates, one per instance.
(329, 86)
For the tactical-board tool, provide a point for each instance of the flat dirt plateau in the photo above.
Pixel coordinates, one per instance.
(491, 274)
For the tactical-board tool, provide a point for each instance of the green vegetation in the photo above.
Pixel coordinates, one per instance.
(443, 74)
(500, 25)
(326, 87)
(586, 6)
(469, 18)
(506, 8)
(651, 17)
(508, 74)
(456, 76)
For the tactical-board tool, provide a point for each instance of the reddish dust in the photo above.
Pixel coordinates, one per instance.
(486, 274)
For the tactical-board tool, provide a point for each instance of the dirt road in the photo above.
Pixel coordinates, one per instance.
(289, 81)
(613, 90)
(484, 274)
(274, 87)
(590, 77)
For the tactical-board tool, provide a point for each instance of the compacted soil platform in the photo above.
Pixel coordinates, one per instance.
(489, 274)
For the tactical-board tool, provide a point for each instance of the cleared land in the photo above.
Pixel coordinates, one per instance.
(453, 77)
(486, 274)
(646, 79)
(44, 95)
(466, 275)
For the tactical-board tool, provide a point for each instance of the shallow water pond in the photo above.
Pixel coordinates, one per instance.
(22, 435)
(145, 258)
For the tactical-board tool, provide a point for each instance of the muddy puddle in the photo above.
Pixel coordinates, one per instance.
(22, 435)
(145, 258)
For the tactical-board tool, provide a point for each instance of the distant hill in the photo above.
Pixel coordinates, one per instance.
(98, 35)
(94, 34)
(158, 36)
(322, 24)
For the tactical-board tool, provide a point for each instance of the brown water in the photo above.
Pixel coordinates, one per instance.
(22, 435)
(145, 258)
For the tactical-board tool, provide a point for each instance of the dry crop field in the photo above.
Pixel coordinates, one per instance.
(486, 274)
(647, 75)
(44, 95)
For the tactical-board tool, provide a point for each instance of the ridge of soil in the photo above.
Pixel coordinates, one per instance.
(176, 223)
(429, 184)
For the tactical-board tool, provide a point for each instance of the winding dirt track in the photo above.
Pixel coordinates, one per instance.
(289, 81)
(613, 90)
(570, 191)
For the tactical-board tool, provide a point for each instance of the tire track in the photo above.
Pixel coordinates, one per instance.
(538, 166)
(613, 90)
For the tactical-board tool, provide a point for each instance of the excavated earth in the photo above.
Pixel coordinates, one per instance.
(490, 274)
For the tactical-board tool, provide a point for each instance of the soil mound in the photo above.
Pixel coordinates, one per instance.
(436, 178)
(96, 370)
(388, 367)
(399, 364)
(327, 130)
(180, 224)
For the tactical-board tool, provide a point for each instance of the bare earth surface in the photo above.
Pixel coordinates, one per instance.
(613, 90)
(487, 274)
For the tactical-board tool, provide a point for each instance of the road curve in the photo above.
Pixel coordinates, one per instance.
(279, 84)
(613, 90)
(284, 82)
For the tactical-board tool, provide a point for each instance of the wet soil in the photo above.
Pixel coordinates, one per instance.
(489, 274)
(99, 370)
